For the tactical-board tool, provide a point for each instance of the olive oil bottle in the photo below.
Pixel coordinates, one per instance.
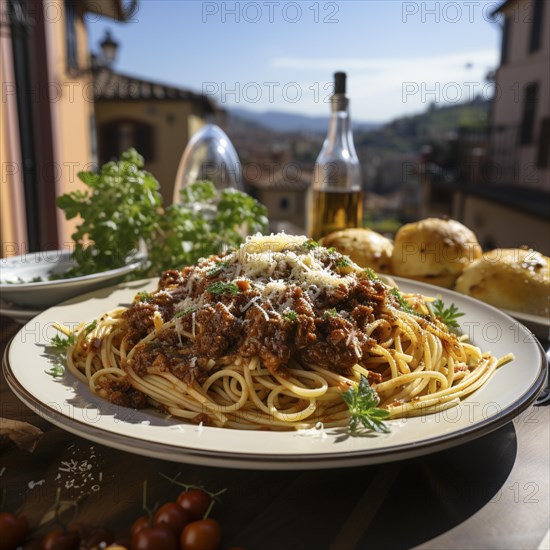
(336, 197)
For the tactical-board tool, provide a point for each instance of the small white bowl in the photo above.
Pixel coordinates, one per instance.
(18, 274)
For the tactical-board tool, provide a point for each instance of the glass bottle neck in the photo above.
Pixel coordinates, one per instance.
(339, 136)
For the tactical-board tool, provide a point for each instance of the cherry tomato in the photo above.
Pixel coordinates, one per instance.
(195, 502)
(139, 524)
(173, 516)
(13, 530)
(60, 539)
(203, 534)
(154, 538)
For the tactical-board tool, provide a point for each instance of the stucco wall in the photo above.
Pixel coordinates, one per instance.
(498, 226)
(13, 232)
(521, 68)
(72, 107)
(274, 199)
(173, 122)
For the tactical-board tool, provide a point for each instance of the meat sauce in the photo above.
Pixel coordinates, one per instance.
(314, 325)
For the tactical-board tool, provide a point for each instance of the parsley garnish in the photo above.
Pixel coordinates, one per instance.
(55, 371)
(447, 315)
(331, 250)
(60, 343)
(184, 312)
(290, 316)
(344, 262)
(144, 296)
(311, 244)
(222, 288)
(370, 273)
(363, 402)
(120, 208)
(403, 303)
(89, 327)
(330, 313)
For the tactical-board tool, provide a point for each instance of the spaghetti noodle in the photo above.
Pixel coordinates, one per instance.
(269, 336)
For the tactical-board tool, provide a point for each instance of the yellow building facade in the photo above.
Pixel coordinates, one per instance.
(158, 120)
(64, 110)
(46, 115)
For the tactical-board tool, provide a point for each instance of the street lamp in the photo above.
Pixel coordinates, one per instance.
(109, 48)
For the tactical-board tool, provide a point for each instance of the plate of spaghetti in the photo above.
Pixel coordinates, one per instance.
(281, 354)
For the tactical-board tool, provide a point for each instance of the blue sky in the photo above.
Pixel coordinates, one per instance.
(280, 55)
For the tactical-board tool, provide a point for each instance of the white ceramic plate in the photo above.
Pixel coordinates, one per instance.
(18, 274)
(68, 403)
(19, 314)
(538, 324)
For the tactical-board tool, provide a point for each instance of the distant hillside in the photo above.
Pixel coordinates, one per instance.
(436, 125)
(280, 121)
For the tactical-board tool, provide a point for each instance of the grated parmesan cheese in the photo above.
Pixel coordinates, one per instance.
(262, 310)
(270, 264)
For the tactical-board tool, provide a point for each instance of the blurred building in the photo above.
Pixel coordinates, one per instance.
(275, 173)
(156, 119)
(503, 191)
(513, 207)
(520, 148)
(64, 110)
(284, 194)
(46, 113)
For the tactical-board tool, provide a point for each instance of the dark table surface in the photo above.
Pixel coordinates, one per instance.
(489, 493)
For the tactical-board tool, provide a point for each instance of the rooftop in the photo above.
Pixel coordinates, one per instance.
(113, 86)
(502, 6)
(281, 181)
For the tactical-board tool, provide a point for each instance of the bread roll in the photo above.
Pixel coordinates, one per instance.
(364, 246)
(434, 250)
(510, 278)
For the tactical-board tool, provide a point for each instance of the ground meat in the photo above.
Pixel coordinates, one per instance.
(170, 279)
(305, 332)
(362, 315)
(218, 330)
(163, 355)
(319, 354)
(374, 377)
(140, 320)
(338, 350)
(189, 370)
(337, 295)
(243, 301)
(202, 419)
(324, 326)
(272, 339)
(368, 293)
(300, 304)
(120, 392)
(164, 303)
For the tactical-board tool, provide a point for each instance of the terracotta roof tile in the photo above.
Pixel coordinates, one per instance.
(112, 86)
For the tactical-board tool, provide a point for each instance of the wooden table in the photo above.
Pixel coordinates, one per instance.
(489, 493)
